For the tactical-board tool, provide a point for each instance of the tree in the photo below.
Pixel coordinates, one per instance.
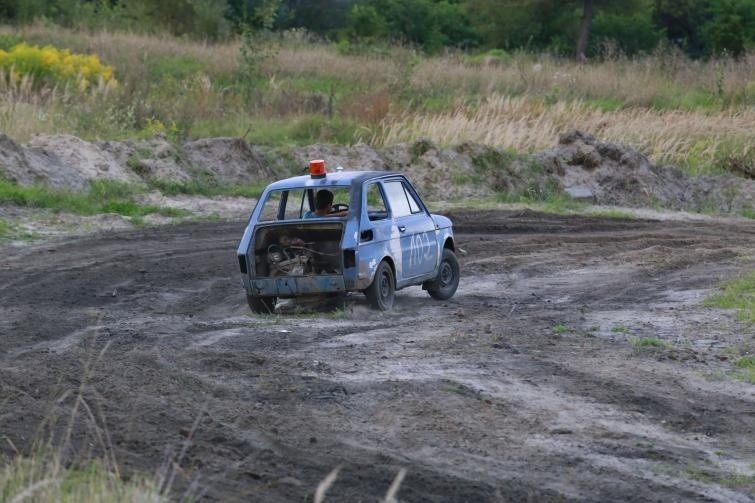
(730, 27)
(431, 24)
(562, 26)
(584, 30)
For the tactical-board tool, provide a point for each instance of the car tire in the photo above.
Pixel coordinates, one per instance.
(382, 290)
(261, 305)
(444, 286)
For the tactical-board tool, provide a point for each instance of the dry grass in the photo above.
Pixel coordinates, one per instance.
(322, 61)
(694, 139)
(45, 478)
(654, 80)
(697, 114)
(126, 50)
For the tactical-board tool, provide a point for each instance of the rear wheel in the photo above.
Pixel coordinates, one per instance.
(261, 305)
(444, 286)
(382, 291)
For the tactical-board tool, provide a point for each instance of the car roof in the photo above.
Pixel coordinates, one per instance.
(338, 178)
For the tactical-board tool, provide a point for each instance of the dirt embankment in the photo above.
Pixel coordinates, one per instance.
(579, 165)
(526, 386)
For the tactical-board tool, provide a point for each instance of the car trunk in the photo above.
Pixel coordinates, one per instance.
(297, 249)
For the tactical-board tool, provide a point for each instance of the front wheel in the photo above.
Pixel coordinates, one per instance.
(261, 305)
(444, 286)
(382, 290)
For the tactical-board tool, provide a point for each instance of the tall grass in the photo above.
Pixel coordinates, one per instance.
(44, 477)
(698, 114)
(693, 139)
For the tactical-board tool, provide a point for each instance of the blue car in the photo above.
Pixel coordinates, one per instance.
(348, 231)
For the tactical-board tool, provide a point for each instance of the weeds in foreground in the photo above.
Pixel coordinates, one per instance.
(737, 294)
(44, 477)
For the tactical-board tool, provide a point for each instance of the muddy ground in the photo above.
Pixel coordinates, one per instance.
(525, 386)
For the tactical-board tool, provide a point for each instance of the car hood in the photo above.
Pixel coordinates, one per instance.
(441, 221)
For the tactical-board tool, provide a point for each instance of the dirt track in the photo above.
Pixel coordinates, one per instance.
(524, 386)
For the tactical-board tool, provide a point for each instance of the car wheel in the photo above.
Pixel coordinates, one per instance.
(381, 292)
(261, 305)
(444, 286)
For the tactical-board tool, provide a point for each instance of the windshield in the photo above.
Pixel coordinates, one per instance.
(294, 204)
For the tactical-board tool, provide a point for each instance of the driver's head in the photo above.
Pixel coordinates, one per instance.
(323, 199)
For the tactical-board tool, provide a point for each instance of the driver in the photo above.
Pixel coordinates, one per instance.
(323, 206)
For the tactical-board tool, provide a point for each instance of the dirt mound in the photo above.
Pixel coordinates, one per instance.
(154, 159)
(228, 160)
(580, 165)
(70, 162)
(357, 157)
(64, 161)
(608, 173)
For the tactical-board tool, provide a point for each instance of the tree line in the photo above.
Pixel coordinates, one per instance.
(584, 28)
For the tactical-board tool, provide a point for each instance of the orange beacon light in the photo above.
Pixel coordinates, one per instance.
(317, 168)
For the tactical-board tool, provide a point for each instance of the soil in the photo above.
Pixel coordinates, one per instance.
(580, 166)
(525, 386)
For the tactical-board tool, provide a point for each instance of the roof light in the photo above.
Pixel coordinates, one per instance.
(317, 168)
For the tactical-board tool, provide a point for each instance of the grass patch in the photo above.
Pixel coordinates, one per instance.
(649, 342)
(201, 188)
(558, 203)
(161, 68)
(747, 213)
(44, 478)
(560, 329)
(327, 85)
(104, 196)
(620, 330)
(746, 366)
(6, 229)
(690, 100)
(734, 481)
(617, 214)
(606, 104)
(299, 130)
(738, 294)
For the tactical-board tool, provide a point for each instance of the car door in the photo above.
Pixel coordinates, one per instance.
(415, 229)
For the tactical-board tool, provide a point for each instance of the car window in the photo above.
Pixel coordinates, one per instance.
(376, 208)
(294, 203)
(271, 206)
(413, 204)
(397, 199)
(341, 195)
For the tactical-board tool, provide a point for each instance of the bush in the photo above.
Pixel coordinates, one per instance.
(56, 65)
